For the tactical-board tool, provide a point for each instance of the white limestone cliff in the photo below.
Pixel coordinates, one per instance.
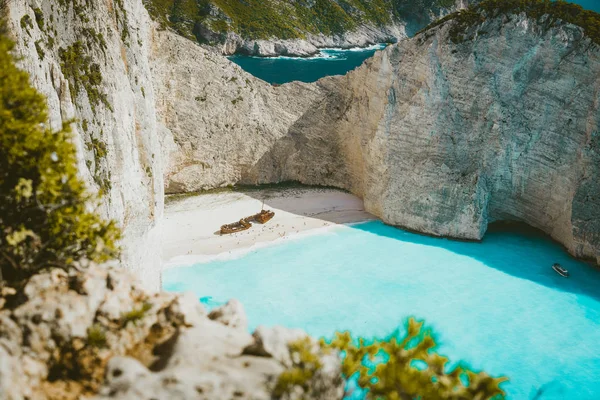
(445, 138)
(118, 144)
(437, 137)
(217, 118)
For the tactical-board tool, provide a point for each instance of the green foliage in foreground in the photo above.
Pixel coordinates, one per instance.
(264, 19)
(399, 368)
(96, 336)
(306, 365)
(44, 216)
(553, 13)
(136, 314)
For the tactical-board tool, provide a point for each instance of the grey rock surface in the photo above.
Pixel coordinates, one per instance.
(273, 342)
(446, 138)
(437, 137)
(363, 36)
(231, 314)
(65, 338)
(216, 119)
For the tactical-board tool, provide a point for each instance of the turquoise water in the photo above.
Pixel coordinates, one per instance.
(496, 304)
(279, 70)
(286, 69)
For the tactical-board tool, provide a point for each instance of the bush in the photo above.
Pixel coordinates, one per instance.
(44, 216)
(96, 336)
(136, 314)
(409, 368)
(400, 367)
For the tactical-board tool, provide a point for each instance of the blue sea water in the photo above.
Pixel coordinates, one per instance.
(281, 70)
(496, 304)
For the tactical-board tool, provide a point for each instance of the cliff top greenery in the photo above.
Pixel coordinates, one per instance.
(44, 217)
(263, 19)
(552, 11)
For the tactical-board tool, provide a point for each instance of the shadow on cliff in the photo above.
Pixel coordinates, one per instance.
(515, 249)
(271, 196)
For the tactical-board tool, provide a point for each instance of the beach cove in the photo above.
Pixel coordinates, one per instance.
(323, 264)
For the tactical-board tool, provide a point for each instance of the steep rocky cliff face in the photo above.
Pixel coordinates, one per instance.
(444, 138)
(218, 120)
(90, 59)
(436, 136)
(362, 36)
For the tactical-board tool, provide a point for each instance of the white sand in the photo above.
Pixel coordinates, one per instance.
(191, 225)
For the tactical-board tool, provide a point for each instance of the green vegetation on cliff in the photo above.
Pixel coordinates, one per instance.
(44, 216)
(82, 73)
(263, 19)
(547, 12)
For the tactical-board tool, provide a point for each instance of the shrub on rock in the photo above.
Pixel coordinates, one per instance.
(399, 367)
(44, 215)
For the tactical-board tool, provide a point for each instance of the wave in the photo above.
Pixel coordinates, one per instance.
(379, 46)
(326, 53)
(319, 56)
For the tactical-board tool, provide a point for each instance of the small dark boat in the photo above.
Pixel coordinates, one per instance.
(560, 270)
(239, 226)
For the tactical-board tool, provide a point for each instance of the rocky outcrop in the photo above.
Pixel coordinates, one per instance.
(300, 29)
(97, 333)
(216, 119)
(445, 138)
(438, 137)
(271, 342)
(231, 314)
(364, 36)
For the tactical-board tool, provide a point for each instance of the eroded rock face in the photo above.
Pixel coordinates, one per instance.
(62, 329)
(438, 137)
(64, 336)
(216, 119)
(445, 138)
(272, 342)
(365, 35)
(90, 59)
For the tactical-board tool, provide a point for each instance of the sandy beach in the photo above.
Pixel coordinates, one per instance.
(191, 224)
